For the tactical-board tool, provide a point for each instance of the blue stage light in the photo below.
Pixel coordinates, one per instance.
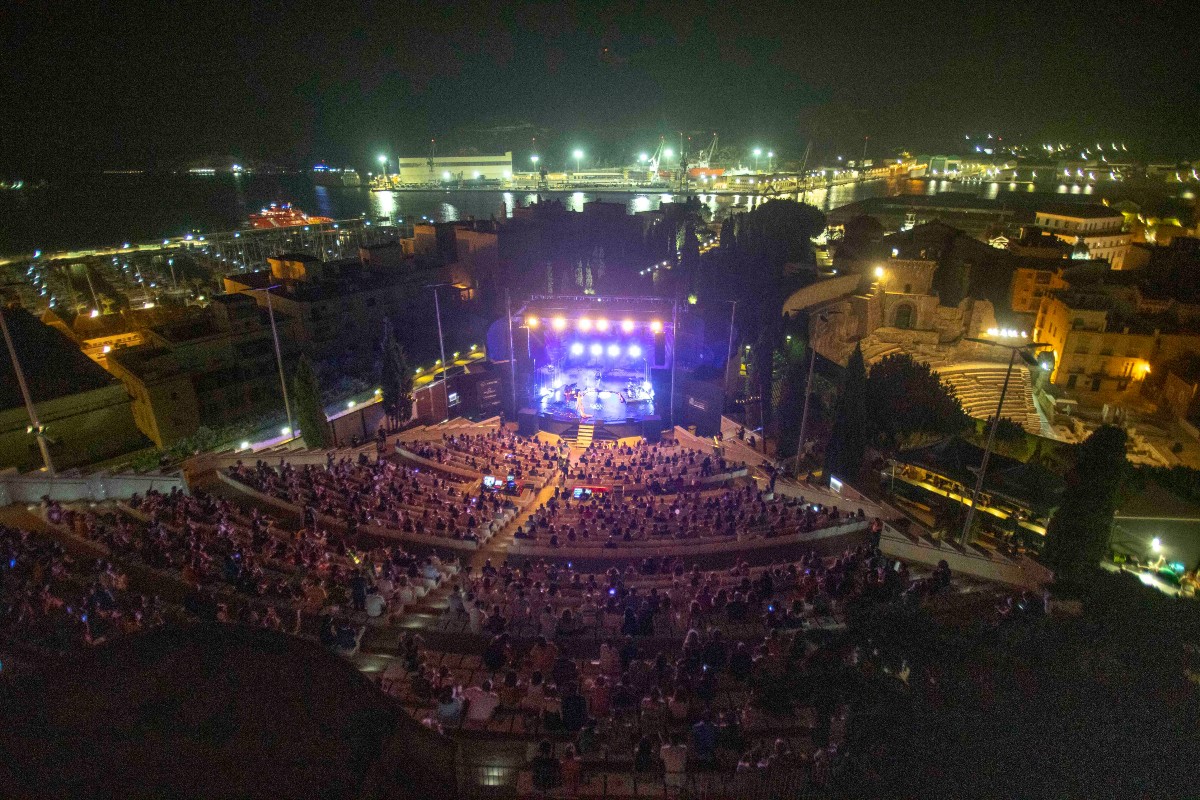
(614, 350)
(596, 348)
(635, 351)
(577, 349)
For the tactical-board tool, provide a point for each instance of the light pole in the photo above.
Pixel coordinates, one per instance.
(287, 407)
(729, 360)
(384, 161)
(757, 153)
(770, 156)
(812, 362)
(1013, 350)
(578, 154)
(35, 425)
(441, 342)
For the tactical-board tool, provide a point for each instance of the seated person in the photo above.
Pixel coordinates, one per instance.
(481, 702)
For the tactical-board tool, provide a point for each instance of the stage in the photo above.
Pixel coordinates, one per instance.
(594, 395)
(602, 361)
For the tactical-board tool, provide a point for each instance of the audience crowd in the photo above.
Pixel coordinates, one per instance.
(599, 519)
(51, 600)
(496, 453)
(386, 494)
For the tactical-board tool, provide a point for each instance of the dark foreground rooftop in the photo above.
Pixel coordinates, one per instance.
(208, 711)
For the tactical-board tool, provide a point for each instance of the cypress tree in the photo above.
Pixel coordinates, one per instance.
(848, 442)
(310, 414)
(396, 379)
(1078, 535)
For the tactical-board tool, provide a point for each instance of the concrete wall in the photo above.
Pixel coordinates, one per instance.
(30, 488)
(83, 428)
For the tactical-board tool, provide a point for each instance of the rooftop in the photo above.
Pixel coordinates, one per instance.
(1080, 211)
(53, 365)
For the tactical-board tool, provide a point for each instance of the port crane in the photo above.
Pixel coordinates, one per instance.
(656, 159)
(706, 156)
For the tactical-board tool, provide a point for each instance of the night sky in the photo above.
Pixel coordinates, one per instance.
(93, 87)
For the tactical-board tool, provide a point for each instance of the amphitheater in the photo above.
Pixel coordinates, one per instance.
(570, 578)
(977, 383)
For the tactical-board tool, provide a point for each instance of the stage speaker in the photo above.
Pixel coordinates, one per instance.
(527, 422)
(660, 349)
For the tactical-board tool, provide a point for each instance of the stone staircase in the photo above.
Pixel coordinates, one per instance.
(978, 386)
(585, 434)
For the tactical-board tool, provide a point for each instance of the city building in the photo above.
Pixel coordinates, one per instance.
(86, 412)
(334, 306)
(1031, 284)
(1098, 229)
(443, 169)
(98, 336)
(208, 369)
(1103, 347)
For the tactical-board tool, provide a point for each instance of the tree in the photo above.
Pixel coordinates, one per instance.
(1078, 534)
(904, 397)
(395, 378)
(789, 393)
(310, 414)
(848, 441)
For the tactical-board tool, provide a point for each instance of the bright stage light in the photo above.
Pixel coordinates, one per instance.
(635, 351)
(531, 322)
(656, 326)
(627, 326)
(646, 386)
(559, 323)
(614, 350)
(596, 348)
(577, 349)
(585, 324)
(602, 324)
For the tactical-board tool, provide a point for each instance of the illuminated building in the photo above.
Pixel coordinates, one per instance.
(444, 169)
(1099, 353)
(1098, 228)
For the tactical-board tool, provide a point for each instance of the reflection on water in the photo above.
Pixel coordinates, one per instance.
(112, 209)
(450, 206)
(324, 207)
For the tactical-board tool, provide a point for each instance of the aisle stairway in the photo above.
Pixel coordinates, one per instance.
(583, 439)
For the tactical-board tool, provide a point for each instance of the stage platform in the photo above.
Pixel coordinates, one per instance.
(649, 428)
(585, 394)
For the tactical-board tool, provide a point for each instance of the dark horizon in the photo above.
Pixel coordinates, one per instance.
(93, 88)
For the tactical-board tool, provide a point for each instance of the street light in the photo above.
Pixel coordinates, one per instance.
(757, 153)
(35, 425)
(578, 154)
(729, 358)
(643, 158)
(534, 159)
(1013, 350)
(384, 161)
(770, 155)
(278, 358)
(441, 342)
